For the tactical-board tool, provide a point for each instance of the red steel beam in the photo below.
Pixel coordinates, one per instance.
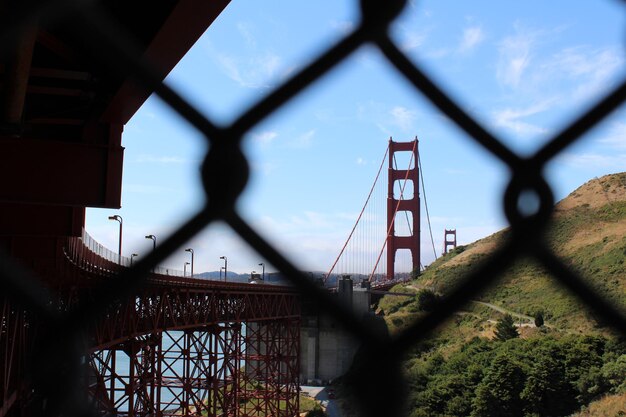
(183, 27)
(61, 173)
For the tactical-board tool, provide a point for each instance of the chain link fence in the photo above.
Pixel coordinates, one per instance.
(376, 373)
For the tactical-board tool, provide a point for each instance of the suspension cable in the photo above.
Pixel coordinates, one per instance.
(419, 162)
(393, 219)
(360, 214)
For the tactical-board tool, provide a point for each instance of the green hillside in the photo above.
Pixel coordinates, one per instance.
(588, 231)
(573, 358)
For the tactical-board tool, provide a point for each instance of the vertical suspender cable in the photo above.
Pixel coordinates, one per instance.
(359, 218)
(419, 161)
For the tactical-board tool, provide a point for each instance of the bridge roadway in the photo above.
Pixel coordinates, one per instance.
(175, 303)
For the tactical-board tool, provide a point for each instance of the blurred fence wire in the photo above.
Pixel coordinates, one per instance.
(376, 373)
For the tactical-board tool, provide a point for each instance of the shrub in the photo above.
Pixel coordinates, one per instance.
(316, 412)
(427, 300)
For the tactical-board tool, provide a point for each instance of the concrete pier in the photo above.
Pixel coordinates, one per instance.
(326, 349)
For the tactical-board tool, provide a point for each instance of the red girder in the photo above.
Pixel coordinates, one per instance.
(175, 347)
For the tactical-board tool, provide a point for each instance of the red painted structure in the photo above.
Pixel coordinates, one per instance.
(184, 341)
(449, 240)
(396, 206)
(187, 344)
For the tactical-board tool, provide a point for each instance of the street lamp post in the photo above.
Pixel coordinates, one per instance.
(153, 238)
(190, 251)
(263, 276)
(131, 258)
(118, 218)
(225, 267)
(185, 269)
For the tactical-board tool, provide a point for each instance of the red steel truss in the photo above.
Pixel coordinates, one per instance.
(179, 346)
(226, 369)
(271, 361)
(14, 343)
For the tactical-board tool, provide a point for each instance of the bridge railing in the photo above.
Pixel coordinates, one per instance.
(90, 255)
(104, 252)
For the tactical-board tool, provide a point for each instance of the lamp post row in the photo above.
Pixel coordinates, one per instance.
(119, 219)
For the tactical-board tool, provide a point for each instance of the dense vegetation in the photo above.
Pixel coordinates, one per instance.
(525, 347)
(518, 377)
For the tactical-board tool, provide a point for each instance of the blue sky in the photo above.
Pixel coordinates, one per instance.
(523, 69)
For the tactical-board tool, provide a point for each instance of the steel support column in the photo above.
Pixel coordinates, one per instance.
(14, 349)
(272, 365)
(124, 380)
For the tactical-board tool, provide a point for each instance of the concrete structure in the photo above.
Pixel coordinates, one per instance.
(326, 349)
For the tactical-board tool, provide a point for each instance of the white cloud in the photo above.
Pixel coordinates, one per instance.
(361, 161)
(581, 61)
(472, 36)
(515, 54)
(265, 138)
(304, 140)
(590, 68)
(245, 29)
(388, 119)
(269, 63)
(512, 118)
(576, 72)
(409, 39)
(403, 117)
(384, 129)
(255, 71)
(412, 40)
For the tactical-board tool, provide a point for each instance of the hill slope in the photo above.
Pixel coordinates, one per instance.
(588, 231)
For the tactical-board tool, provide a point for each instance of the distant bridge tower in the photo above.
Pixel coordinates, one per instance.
(451, 242)
(396, 207)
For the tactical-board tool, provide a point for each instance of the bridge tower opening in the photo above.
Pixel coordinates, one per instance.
(410, 206)
(449, 240)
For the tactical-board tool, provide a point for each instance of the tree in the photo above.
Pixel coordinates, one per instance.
(498, 394)
(547, 391)
(539, 319)
(505, 329)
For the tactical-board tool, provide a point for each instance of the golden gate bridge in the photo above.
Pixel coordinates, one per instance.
(383, 246)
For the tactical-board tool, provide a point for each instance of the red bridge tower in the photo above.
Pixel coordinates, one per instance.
(395, 207)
